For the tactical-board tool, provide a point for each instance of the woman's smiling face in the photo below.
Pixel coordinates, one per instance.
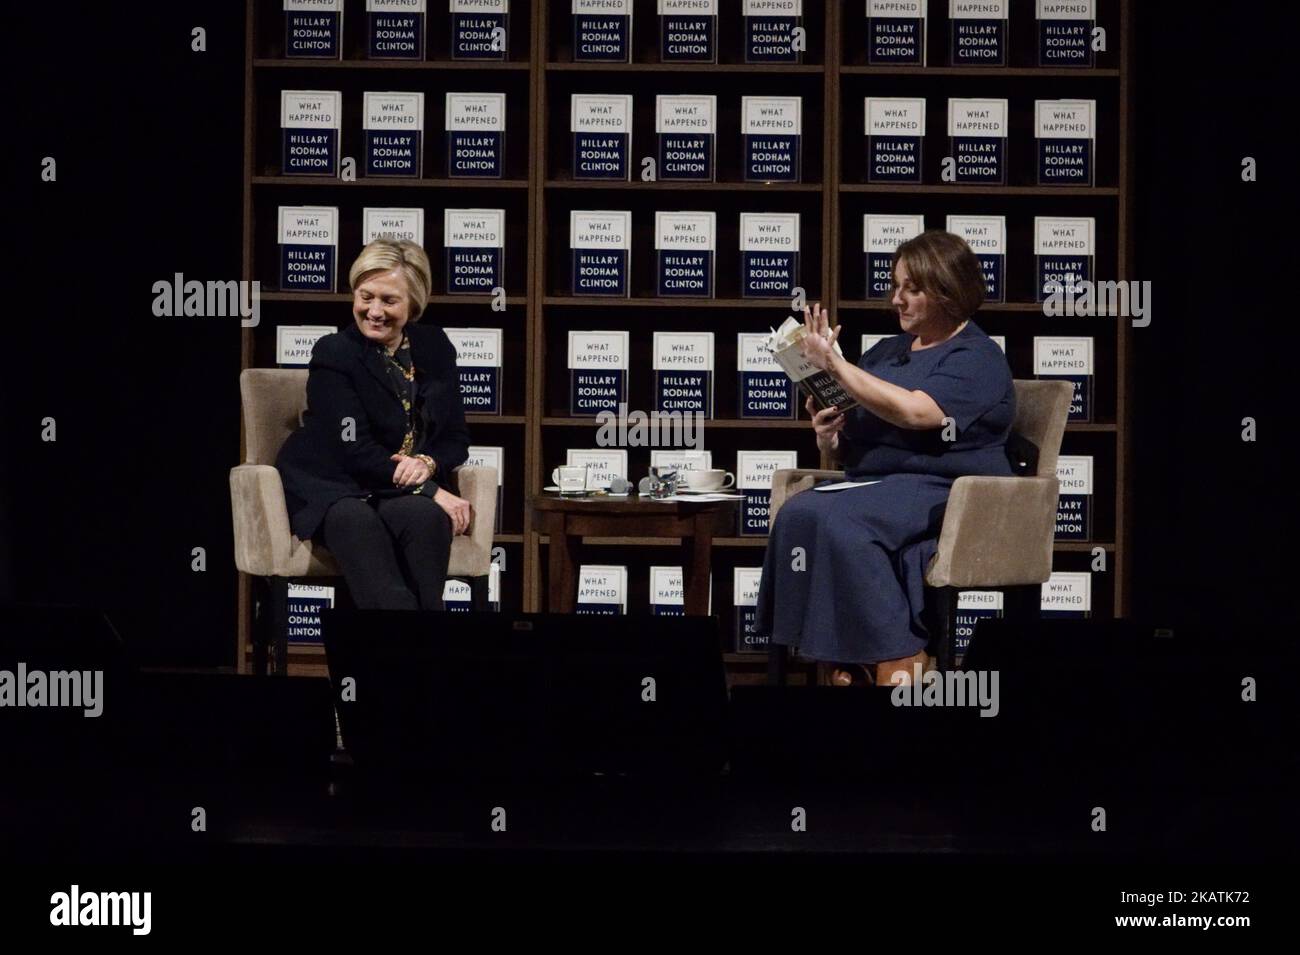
(382, 307)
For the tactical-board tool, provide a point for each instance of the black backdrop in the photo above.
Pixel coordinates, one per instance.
(148, 139)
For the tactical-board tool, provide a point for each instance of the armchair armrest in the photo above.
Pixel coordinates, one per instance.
(790, 481)
(997, 532)
(263, 540)
(478, 485)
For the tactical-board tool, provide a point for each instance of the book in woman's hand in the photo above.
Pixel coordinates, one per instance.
(820, 385)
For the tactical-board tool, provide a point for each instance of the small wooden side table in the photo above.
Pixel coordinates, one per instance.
(568, 520)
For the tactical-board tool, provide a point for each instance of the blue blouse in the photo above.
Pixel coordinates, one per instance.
(968, 377)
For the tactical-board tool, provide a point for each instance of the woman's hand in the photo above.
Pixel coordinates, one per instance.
(827, 423)
(818, 346)
(410, 472)
(457, 509)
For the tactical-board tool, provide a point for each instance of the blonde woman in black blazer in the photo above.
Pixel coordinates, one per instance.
(369, 473)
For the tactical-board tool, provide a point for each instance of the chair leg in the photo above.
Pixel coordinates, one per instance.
(278, 621)
(778, 655)
(478, 592)
(945, 619)
(261, 623)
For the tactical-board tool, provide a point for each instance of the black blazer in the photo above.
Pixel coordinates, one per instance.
(347, 379)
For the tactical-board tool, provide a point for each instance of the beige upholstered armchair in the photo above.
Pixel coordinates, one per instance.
(273, 402)
(997, 531)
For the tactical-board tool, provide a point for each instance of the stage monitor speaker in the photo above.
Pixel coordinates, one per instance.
(537, 696)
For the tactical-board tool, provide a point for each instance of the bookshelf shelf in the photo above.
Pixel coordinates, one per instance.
(687, 186)
(476, 66)
(981, 72)
(1037, 192)
(389, 183)
(496, 419)
(593, 301)
(701, 68)
(831, 200)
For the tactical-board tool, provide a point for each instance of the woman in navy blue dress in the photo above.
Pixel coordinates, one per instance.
(932, 404)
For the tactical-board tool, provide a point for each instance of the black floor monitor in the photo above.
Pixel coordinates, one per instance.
(452, 695)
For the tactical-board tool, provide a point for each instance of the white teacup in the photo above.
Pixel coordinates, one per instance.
(712, 479)
(571, 478)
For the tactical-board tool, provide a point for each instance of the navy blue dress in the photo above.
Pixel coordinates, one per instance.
(859, 596)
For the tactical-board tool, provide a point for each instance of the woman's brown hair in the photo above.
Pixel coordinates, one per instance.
(943, 266)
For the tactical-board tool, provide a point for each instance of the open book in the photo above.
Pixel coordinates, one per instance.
(784, 346)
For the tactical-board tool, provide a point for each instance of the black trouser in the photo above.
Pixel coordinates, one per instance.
(393, 551)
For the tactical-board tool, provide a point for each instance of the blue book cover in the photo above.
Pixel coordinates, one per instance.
(683, 370)
(1064, 252)
(313, 29)
(686, 127)
(770, 27)
(1065, 32)
(895, 128)
(394, 134)
(977, 130)
(769, 254)
(688, 31)
(881, 235)
(1074, 506)
(395, 29)
(598, 363)
(599, 244)
(1066, 595)
(896, 32)
(744, 598)
(602, 136)
(309, 242)
(476, 135)
(754, 470)
(977, 31)
(478, 362)
(480, 29)
(772, 131)
(490, 457)
(309, 126)
(972, 607)
(602, 589)
(475, 244)
(987, 238)
(457, 597)
(764, 389)
(1069, 359)
(305, 602)
(602, 31)
(685, 243)
(1065, 131)
(667, 595)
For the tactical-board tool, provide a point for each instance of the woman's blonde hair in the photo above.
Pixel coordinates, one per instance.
(384, 255)
(943, 266)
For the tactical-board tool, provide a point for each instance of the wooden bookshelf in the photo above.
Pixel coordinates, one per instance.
(538, 192)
